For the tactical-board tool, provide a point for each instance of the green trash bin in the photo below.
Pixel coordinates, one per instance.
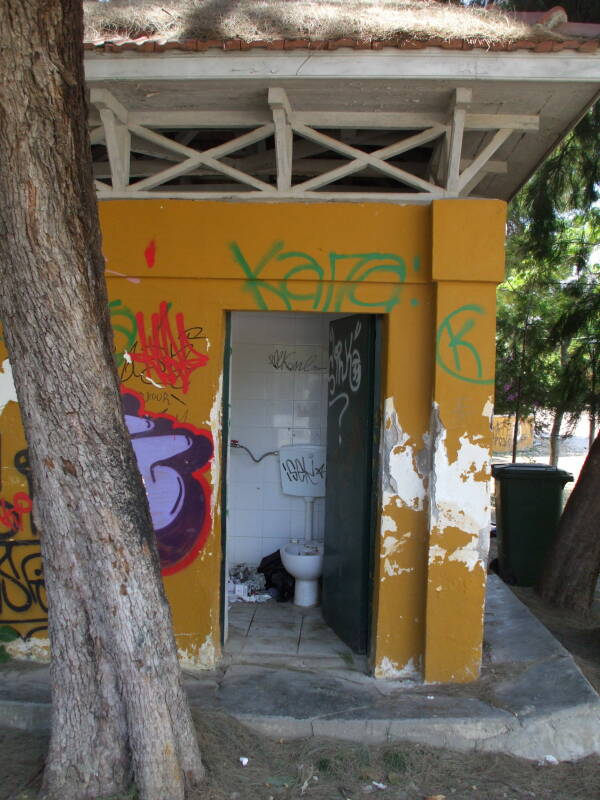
(528, 508)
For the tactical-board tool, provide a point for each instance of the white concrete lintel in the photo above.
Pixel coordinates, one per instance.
(389, 63)
(396, 198)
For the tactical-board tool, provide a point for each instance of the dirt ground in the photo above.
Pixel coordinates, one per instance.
(319, 769)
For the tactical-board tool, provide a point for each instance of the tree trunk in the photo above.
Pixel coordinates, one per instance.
(119, 709)
(594, 352)
(555, 438)
(572, 567)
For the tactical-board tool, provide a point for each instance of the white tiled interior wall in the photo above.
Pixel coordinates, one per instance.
(278, 396)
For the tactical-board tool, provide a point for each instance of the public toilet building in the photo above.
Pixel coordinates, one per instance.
(303, 242)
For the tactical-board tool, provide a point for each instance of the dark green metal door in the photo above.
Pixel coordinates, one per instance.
(349, 505)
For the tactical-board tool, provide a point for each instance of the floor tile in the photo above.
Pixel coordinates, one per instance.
(264, 645)
(234, 643)
(318, 647)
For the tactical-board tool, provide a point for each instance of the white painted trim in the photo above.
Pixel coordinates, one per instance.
(460, 103)
(284, 137)
(210, 157)
(359, 163)
(97, 135)
(399, 198)
(383, 120)
(486, 153)
(363, 158)
(118, 143)
(431, 63)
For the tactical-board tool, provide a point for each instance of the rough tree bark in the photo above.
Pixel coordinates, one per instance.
(555, 437)
(572, 567)
(119, 708)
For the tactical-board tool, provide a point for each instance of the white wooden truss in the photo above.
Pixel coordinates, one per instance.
(277, 153)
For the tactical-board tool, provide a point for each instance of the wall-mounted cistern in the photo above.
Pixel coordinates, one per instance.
(302, 470)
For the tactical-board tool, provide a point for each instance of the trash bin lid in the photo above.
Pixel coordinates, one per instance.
(531, 472)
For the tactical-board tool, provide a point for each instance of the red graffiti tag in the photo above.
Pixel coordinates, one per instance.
(150, 254)
(170, 356)
(11, 514)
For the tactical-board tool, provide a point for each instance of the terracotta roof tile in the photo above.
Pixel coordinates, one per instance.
(296, 44)
(554, 43)
(335, 43)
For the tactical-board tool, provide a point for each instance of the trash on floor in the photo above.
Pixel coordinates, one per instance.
(247, 584)
(278, 579)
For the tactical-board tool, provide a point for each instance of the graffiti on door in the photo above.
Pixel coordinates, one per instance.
(339, 280)
(172, 458)
(345, 372)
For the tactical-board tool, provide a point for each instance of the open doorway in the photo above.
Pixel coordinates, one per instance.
(307, 380)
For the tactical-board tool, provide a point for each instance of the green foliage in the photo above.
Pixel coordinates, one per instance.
(7, 634)
(548, 343)
(395, 760)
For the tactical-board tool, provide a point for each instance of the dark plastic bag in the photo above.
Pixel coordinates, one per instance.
(277, 577)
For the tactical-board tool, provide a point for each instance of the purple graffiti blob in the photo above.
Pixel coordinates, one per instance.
(171, 457)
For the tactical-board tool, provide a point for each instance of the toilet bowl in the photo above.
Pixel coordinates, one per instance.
(305, 563)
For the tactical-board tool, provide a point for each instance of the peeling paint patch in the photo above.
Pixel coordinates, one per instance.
(437, 554)
(488, 410)
(389, 669)
(403, 484)
(7, 385)
(388, 525)
(31, 650)
(391, 546)
(194, 657)
(215, 422)
(471, 554)
(460, 494)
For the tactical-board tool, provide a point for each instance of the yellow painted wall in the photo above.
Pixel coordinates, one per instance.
(175, 268)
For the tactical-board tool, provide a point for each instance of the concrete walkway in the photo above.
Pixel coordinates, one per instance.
(531, 700)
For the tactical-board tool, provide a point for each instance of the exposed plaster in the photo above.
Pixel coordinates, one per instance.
(30, 650)
(391, 546)
(215, 422)
(387, 668)
(488, 410)
(459, 492)
(7, 385)
(388, 525)
(194, 657)
(404, 470)
(436, 554)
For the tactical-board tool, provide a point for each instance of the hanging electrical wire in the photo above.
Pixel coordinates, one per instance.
(235, 443)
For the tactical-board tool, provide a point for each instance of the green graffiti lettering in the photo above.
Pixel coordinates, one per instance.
(252, 280)
(127, 329)
(351, 270)
(369, 264)
(454, 352)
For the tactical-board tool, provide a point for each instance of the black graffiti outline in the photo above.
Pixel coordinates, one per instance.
(278, 359)
(296, 471)
(31, 587)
